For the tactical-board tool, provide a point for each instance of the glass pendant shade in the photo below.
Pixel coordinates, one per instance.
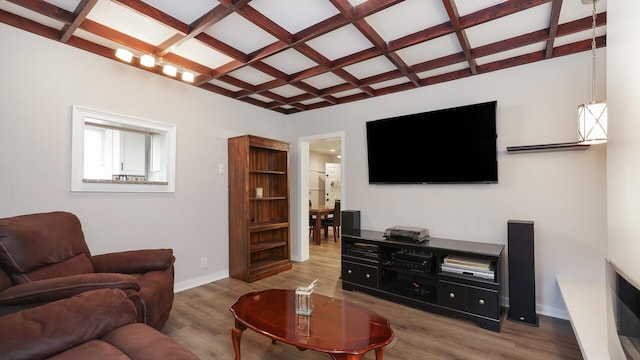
(592, 122)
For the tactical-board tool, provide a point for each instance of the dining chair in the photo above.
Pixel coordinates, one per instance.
(333, 220)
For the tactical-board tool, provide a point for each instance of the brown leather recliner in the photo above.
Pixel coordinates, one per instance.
(97, 324)
(44, 257)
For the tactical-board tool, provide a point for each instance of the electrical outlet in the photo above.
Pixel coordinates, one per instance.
(204, 263)
(221, 169)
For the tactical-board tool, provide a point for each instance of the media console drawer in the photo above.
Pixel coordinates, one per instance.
(364, 275)
(474, 300)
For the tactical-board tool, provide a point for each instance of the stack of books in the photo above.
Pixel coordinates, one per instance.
(468, 266)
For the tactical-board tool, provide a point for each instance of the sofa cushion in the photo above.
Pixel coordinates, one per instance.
(94, 350)
(78, 264)
(28, 242)
(149, 344)
(38, 292)
(47, 330)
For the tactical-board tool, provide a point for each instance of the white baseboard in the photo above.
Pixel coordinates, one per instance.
(192, 283)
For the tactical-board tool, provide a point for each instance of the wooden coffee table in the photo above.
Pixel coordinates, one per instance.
(341, 329)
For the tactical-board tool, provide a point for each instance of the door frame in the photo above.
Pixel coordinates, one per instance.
(300, 251)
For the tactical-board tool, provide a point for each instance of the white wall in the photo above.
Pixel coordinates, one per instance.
(562, 192)
(42, 79)
(624, 129)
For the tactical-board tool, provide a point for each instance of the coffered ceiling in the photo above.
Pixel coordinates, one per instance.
(296, 55)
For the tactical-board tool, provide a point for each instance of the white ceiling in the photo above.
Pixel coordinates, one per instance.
(297, 55)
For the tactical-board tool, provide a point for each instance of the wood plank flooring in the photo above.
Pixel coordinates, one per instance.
(201, 321)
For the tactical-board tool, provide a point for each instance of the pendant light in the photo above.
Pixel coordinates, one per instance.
(592, 116)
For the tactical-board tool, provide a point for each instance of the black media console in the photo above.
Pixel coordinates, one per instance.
(413, 274)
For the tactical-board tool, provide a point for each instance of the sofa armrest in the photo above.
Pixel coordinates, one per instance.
(43, 291)
(135, 261)
(46, 330)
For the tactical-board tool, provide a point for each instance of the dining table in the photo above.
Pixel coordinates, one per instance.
(318, 214)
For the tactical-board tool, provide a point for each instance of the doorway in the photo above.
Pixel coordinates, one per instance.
(315, 152)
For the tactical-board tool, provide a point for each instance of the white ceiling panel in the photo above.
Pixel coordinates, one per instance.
(371, 67)
(520, 23)
(130, 23)
(251, 76)
(225, 85)
(325, 80)
(290, 61)
(407, 17)
(287, 91)
(69, 5)
(202, 54)
(466, 7)
(295, 15)
(253, 37)
(574, 10)
(434, 49)
(178, 10)
(350, 41)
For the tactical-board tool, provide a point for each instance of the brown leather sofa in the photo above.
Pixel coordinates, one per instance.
(97, 324)
(44, 257)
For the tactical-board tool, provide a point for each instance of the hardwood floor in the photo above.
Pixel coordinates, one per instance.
(201, 321)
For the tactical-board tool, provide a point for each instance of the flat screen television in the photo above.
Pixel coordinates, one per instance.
(455, 145)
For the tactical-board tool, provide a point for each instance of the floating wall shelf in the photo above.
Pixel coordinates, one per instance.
(548, 147)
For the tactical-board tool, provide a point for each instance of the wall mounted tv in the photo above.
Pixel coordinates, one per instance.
(455, 145)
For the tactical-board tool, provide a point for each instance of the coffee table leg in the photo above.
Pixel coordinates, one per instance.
(379, 353)
(236, 334)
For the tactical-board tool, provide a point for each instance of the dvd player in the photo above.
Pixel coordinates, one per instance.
(406, 233)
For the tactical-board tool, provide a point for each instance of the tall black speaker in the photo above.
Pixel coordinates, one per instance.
(522, 274)
(351, 222)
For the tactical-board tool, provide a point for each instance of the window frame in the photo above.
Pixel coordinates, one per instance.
(82, 115)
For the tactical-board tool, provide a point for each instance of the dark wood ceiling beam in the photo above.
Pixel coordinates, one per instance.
(238, 83)
(265, 24)
(271, 71)
(497, 11)
(352, 98)
(305, 74)
(319, 29)
(387, 76)
(394, 89)
(82, 10)
(217, 89)
(312, 54)
(46, 9)
(28, 25)
(437, 63)
(451, 76)
(580, 46)
(222, 47)
(553, 26)
(581, 24)
(421, 36)
(116, 36)
(187, 64)
(381, 45)
(511, 43)
(150, 12)
(454, 17)
(403, 68)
